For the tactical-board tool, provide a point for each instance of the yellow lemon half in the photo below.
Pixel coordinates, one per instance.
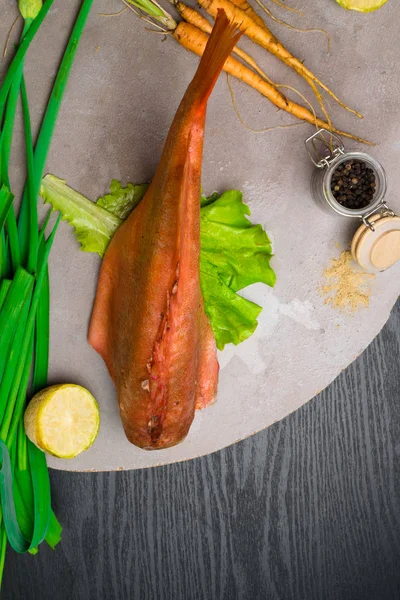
(62, 420)
(362, 5)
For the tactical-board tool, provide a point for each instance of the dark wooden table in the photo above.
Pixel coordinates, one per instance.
(309, 509)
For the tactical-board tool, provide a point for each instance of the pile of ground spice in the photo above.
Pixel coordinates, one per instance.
(346, 287)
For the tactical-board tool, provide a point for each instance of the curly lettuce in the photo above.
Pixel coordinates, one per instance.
(234, 252)
(94, 226)
(122, 200)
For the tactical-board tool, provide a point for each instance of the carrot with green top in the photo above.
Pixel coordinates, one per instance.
(261, 35)
(251, 13)
(192, 16)
(191, 38)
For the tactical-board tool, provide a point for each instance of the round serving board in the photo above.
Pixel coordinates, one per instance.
(124, 90)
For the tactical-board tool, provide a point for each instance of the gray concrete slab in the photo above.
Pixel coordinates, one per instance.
(124, 90)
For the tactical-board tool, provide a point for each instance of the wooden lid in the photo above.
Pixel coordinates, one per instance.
(380, 249)
(362, 229)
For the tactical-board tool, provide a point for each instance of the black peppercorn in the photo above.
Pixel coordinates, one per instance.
(353, 184)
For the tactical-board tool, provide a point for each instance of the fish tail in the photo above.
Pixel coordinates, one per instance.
(223, 39)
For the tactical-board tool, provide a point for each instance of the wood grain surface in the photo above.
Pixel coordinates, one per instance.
(308, 509)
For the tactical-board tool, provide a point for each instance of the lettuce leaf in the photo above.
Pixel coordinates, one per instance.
(94, 226)
(232, 317)
(234, 252)
(122, 200)
(240, 251)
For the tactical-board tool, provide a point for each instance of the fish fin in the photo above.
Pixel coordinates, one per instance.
(223, 39)
(99, 326)
(207, 377)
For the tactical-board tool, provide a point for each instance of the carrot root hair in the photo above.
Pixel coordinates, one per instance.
(242, 121)
(194, 40)
(257, 30)
(293, 28)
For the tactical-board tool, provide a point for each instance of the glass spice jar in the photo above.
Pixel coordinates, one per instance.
(327, 152)
(376, 243)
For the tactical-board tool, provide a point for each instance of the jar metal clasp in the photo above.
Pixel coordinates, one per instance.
(375, 245)
(382, 209)
(327, 151)
(331, 145)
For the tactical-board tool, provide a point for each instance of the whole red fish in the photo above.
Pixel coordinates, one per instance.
(148, 321)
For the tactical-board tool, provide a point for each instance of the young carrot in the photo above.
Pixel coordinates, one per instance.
(192, 16)
(249, 10)
(262, 36)
(193, 39)
(244, 6)
(195, 18)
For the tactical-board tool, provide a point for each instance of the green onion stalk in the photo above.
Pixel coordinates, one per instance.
(26, 517)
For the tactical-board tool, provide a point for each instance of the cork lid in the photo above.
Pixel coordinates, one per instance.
(377, 250)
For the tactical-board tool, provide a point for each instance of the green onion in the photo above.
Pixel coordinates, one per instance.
(29, 9)
(22, 447)
(4, 287)
(14, 357)
(3, 548)
(26, 517)
(32, 186)
(20, 55)
(21, 372)
(23, 498)
(10, 312)
(6, 200)
(42, 334)
(50, 117)
(5, 263)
